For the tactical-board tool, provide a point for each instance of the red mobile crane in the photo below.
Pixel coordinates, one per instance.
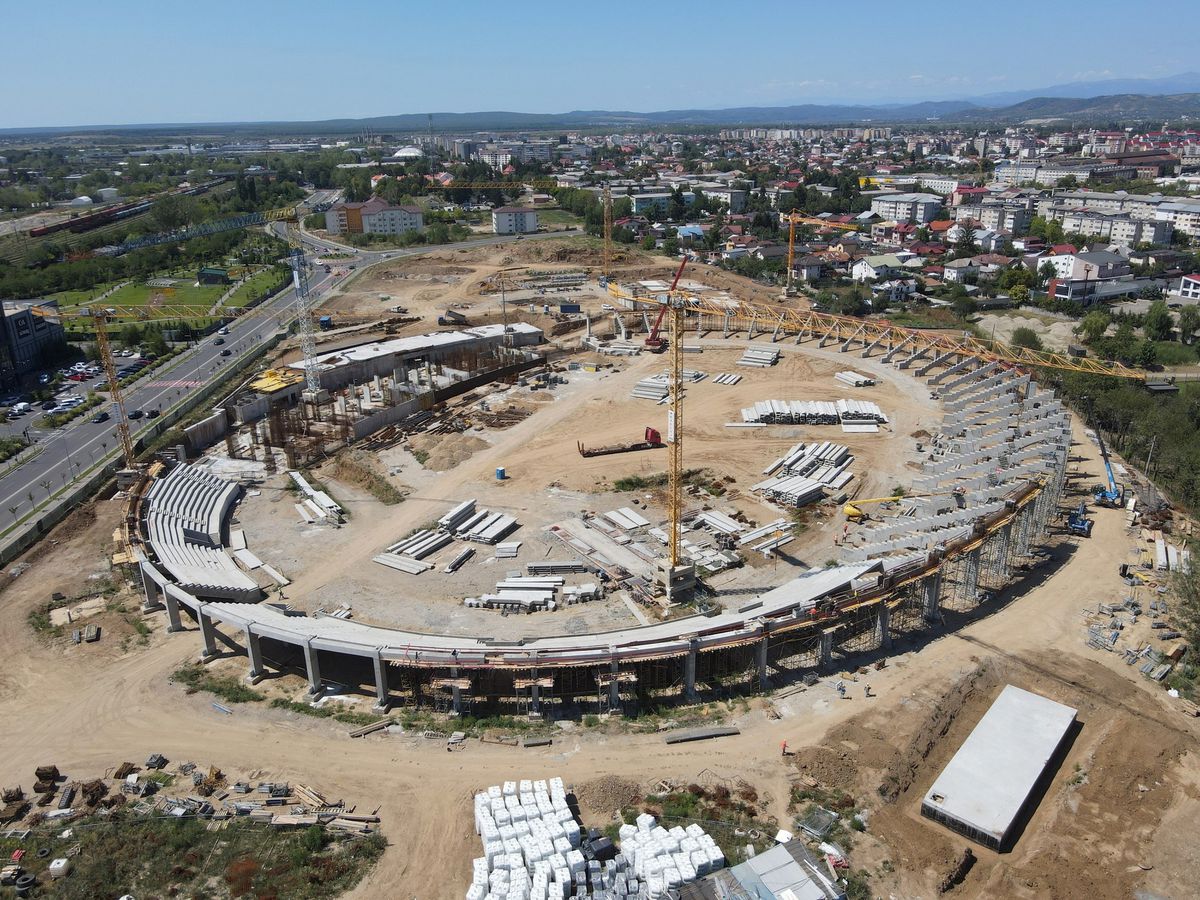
(654, 343)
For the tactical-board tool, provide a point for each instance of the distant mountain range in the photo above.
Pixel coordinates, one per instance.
(1183, 83)
(1082, 102)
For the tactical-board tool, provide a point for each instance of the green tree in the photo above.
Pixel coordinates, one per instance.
(1019, 294)
(648, 242)
(1158, 324)
(173, 211)
(1045, 272)
(964, 306)
(1093, 325)
(131, 335)
(1147, 355)
(1189, 323)
(1027, 338)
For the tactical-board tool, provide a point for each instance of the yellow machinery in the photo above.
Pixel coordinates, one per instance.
(855, 513)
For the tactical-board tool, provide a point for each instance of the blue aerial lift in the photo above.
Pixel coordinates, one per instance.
(1111, 494)
(1077, 521)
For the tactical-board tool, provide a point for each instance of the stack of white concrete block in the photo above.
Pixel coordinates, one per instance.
(664, 860)
(530, 843)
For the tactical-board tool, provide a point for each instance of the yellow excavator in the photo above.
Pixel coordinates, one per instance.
(854, 512)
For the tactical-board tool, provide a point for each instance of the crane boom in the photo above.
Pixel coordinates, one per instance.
(654, 343)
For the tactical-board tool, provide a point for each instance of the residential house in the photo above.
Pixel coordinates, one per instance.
(961, 271)
(1188, 288)
(871, 267)
(374, 216)
(808, 268)
(1098, 265)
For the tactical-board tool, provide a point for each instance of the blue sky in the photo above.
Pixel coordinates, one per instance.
(72, 62)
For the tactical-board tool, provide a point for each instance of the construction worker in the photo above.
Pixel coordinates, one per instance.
(866, 690)
(841, 689)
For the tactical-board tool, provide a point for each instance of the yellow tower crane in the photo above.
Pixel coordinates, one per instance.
(795, 217)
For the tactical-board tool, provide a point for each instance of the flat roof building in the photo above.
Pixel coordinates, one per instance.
(984, 790)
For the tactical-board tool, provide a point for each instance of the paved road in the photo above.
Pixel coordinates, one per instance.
(73, 449)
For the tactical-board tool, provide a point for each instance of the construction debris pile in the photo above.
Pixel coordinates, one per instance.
(534, 848)
(805, 472)
(464, 522)
(317, 506)
(187, 792)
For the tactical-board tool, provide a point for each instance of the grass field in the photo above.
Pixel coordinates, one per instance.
(557, 217)
(1171, 353)
(257, 285)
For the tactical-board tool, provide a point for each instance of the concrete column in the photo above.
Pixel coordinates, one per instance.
(689, 672)
(972, 573)
(932, 587)
(614, 687)
(208, 635)
(382, 694)
(455, 694)
(883, 627)
(173, 623)
(254, 652)
(826, 659)
(764, 682)
(535, 699)
(153, 601)
(312, 664)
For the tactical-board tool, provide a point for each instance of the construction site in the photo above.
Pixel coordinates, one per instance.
(563, 488)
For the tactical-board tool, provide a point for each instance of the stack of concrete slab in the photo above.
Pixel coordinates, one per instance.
(491, 528)
(728, 379)
(854, 379)
(758, 357)
(859, 411)
(627, 518)
(653, 388)
(792, 412)
(717, 521)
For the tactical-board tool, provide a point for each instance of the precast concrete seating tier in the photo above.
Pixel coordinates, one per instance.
(184, 512)
(776, 610)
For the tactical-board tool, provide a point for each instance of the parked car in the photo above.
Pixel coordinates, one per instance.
(44, 378)
(99, 417)
(49, 404)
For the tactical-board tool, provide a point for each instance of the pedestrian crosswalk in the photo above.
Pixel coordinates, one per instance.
(180, 383)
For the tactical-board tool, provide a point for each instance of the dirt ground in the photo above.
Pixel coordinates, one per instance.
(1120, 822)
(1056, 334)
(548, 481)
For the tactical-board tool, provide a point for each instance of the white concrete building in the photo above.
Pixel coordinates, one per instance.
(906, 207)
(514, 220)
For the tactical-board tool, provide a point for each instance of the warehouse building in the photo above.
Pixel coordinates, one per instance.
(987, 787)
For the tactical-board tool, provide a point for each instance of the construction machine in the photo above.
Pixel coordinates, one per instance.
(651, 440)
(1112, 493)
(853, 509)
(1077, 521)
(654, 342)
